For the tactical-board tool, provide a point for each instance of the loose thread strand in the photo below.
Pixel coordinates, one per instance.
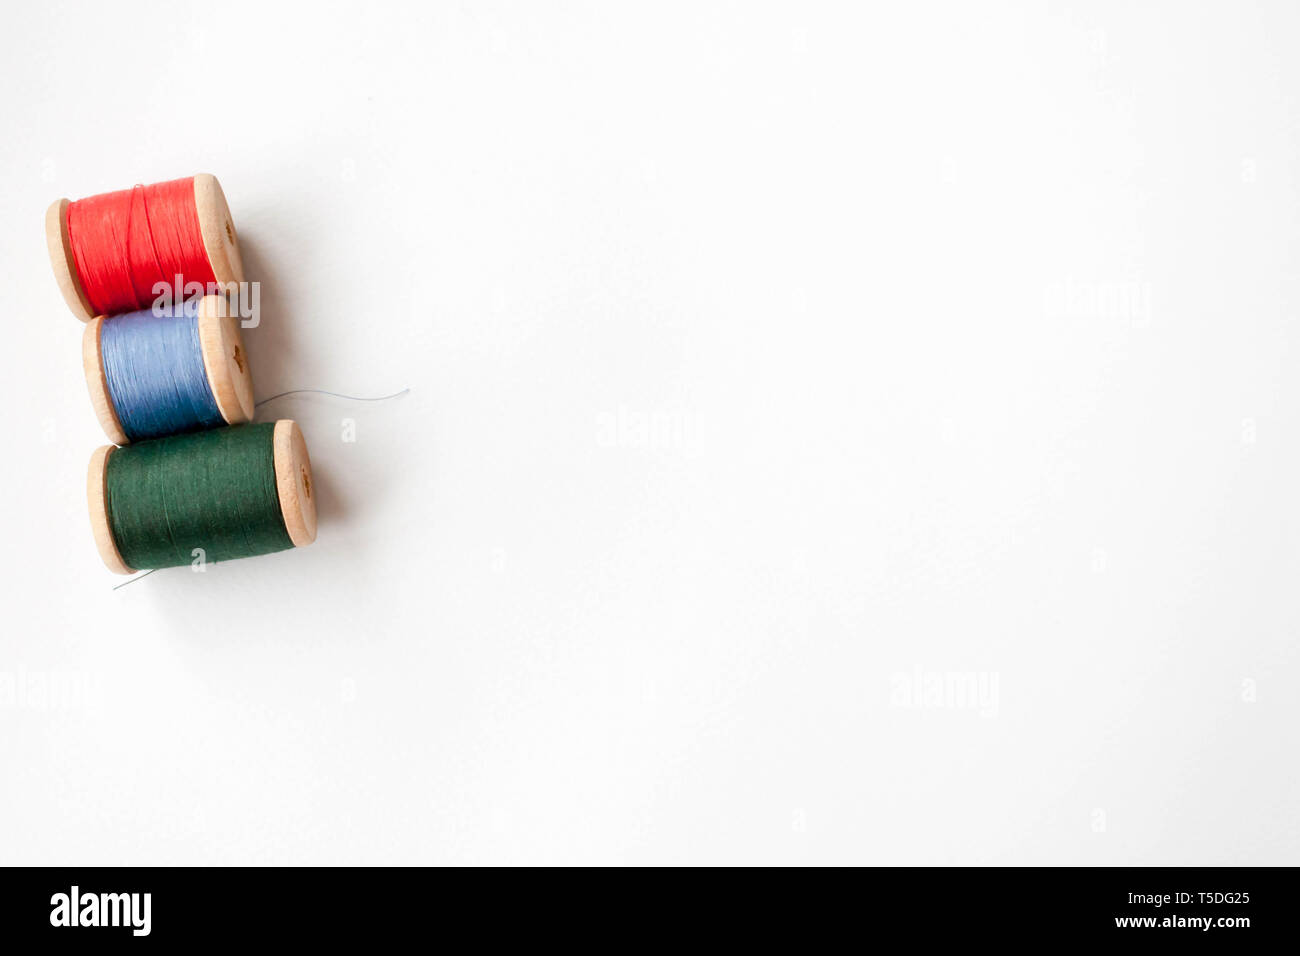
(321, 391)
(118, 587)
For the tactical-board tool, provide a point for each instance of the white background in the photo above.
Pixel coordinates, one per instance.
(777, 371)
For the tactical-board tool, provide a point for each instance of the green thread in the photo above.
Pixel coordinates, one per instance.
(213, 490)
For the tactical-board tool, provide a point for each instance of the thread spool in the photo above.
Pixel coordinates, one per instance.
(150, 376)
(109, 250)
(234, 492)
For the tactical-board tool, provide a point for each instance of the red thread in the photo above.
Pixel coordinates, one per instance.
(123, 243)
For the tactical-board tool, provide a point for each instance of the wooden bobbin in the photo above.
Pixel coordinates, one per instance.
(293, 485)
(97, 499)
(224, 361)
(293, 482)
(220, 242)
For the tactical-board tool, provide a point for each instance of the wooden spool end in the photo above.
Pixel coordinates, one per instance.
(97, 499)
(92, 362)
(59, 244)
(225, 360)
(218, 229)
(293, 482)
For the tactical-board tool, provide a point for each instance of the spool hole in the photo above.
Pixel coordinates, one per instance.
(306, 483)
(230, 232)
(239, 358)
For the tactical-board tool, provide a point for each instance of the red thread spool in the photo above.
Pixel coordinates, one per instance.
(110, 251)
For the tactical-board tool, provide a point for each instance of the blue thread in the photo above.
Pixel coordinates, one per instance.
(153, 365)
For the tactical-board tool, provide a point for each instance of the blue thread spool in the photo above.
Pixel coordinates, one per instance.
(155, 375)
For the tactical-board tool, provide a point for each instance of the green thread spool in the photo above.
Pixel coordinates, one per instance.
(233, 492)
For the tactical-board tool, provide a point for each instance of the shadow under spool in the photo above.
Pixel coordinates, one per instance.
(225, 364)
(219, 240)
(283, 443)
